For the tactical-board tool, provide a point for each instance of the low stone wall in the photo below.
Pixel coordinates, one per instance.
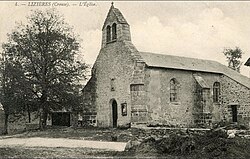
(143, 133)
(31, 126)
(17, 122)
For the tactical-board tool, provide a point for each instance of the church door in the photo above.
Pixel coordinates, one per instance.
(114, 113)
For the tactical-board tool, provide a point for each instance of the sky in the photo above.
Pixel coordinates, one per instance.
(191, 29)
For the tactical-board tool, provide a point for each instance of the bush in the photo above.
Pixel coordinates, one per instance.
(219, 133)
(227, 125)
(174, 144)
(148, 145)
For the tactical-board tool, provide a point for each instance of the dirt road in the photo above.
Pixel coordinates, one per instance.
(61, 142)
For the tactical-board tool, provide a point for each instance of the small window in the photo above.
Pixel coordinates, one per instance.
(216, 91)
(108, 34)
(173, 90)
(114, 36)
(137, 87)
(112, 83)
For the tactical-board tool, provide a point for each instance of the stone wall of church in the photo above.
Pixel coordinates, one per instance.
(139, 112)
(181, 113)
(161, 110)
(215, 109)
(234, 93)
(89, 96)
(87, 112)
(113, 70)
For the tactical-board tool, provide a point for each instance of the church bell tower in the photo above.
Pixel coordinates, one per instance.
(115, 27)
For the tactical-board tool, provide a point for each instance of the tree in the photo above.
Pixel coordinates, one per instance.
(42, 57)
(14, 100)
(10, 96)
(233, 57)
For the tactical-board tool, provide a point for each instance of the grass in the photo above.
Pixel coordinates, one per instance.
(99, 134)
(20, 152)
(214, 144)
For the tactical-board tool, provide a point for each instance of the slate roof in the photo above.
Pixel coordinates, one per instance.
(120, 18)
(193, 64)
(248, 62)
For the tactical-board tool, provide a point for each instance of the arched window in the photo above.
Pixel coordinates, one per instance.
(216, 91)
(108, 34)
(114, 36)
(173, 90)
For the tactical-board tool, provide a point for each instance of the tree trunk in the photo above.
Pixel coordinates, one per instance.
(43, 118)
(29, 113)
(6, 118)
(43, 110)
(45, 114)
(75, 119)
(40, 119)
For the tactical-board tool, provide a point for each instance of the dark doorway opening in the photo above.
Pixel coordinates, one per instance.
(114, 113)
(234, 113)
(61, 119)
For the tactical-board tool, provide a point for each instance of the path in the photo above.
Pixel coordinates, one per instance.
(61, 142)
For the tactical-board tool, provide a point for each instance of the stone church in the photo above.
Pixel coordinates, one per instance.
(128, 87)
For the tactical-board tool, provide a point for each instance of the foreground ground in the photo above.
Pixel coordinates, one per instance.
(62, 142)
(97, 134)
(213, 144)
(66, 142)
(42, 152)
(19, 152)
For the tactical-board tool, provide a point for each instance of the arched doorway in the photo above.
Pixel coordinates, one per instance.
(114, 114)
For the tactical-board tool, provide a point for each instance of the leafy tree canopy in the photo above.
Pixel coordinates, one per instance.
(233, 57)
(40, 61)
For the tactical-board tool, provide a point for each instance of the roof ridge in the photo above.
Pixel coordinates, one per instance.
(193, 64)
(179, 56)
(134, 52)
(118, 15)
